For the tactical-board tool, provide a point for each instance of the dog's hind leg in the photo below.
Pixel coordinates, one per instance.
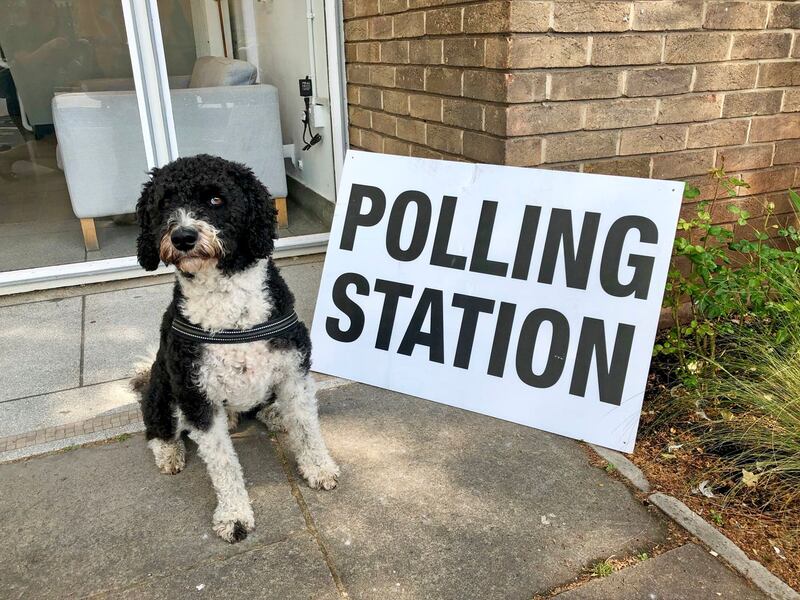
(297, 405)
(233, 420)
(233, 517)
(170, 455)
(271, 418)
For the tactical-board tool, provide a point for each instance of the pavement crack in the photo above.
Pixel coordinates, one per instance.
(83, 340)
(311, 525)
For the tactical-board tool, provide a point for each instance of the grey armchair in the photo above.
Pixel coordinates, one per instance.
(102, 149)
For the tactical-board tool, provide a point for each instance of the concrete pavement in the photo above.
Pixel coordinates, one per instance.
(434, 503)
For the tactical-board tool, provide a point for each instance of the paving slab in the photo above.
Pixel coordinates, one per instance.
(303, 279)
(103, 518)
(121, 327)
(40, 347)
(59, 408)
(287, 570)
(436, 502)
(685, 573)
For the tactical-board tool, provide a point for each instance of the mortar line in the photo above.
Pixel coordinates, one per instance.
(58, 391)
(311, 525)
(120, 379)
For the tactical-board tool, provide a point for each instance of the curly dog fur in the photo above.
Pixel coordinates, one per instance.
(215, 222)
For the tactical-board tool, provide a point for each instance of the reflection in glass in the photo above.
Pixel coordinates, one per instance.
(71, 151)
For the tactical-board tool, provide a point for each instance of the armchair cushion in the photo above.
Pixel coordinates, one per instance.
(216, 71)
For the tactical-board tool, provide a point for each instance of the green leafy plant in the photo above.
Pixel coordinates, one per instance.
(602, 569)
(732, 355)
(721, 274)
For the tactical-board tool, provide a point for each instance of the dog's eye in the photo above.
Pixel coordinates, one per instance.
(216, 201)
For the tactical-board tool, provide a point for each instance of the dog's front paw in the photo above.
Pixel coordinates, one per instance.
(170, 455)
(233, 527)
(321, 477)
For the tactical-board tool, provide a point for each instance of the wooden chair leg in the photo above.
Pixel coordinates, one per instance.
(89, 234)
(283, 214)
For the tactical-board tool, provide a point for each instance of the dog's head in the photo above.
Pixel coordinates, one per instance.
(203, 212)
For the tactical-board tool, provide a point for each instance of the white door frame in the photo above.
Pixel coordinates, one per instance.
(334, 44)
(143, 28)
(155, 111)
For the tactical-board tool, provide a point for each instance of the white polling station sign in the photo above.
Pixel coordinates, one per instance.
(524, 294)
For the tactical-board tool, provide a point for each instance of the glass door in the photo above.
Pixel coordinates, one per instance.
(72, 155)
(94, 93)
(234, 69)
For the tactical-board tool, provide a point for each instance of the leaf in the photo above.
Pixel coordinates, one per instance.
(704, 489)
(691, 191)
(795, 198)
(749, 478)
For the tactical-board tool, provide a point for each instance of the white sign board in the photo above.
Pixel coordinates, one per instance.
(528, 295)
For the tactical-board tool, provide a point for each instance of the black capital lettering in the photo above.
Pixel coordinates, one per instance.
(527, 238)
(431, 302)
(348, 307)
(559, 343)
(472, 306)
(483, 238)
(354, 218)
(502, 338)
(392, 291)
(576, 264)
(440, 257)
(610, 378)
(639, 284)
(422, 224)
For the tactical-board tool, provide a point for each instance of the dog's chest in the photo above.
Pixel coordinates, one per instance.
(239, 376)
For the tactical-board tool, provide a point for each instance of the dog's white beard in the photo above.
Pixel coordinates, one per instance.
(194, 264)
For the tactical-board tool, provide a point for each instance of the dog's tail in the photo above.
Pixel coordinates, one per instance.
(141, 373)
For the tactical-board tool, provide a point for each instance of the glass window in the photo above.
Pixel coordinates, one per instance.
(240, 98)
(72, 156)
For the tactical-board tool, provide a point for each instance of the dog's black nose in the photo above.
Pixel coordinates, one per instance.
(184, 238)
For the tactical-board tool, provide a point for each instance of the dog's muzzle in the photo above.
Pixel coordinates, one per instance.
(190, 244)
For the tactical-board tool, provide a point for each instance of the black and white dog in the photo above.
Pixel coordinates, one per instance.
(230, 341)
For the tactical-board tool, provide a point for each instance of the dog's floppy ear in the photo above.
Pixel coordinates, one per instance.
(146, 242)
(262, 215)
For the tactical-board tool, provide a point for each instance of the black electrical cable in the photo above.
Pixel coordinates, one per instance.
(315, 137)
